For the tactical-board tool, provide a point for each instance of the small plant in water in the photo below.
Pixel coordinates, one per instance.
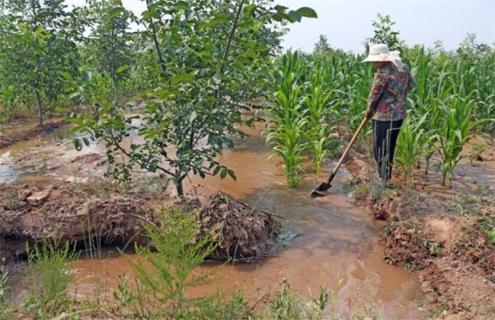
(164, 269)
(286, 305)
(49, 276)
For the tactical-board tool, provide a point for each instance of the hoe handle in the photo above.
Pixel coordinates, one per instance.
(346, 151)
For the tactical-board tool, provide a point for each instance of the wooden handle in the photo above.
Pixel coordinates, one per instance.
(346, 151)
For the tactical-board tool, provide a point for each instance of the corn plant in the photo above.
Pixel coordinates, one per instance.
(411, 145)
(318, 131)
(455, 131)
(288, 116)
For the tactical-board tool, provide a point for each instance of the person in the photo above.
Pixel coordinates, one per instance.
(387, 105)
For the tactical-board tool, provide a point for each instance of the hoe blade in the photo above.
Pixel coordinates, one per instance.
(321, 190)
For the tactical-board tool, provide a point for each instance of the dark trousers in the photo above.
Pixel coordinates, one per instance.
(385, 135)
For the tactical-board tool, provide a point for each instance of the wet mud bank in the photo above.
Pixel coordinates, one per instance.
(440, 234)
(9, 138)
(64, 212)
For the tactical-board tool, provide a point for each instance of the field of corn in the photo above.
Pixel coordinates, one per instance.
(165, 95)
(318, 94)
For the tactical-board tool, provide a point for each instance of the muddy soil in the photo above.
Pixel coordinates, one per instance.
(439, 231)
(246, 233)
(459, 288)
(9, 138)
(66, 212)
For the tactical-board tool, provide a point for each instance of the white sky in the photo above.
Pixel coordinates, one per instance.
(347, 23)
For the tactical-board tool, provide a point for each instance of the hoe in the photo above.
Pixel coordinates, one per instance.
(322, 189)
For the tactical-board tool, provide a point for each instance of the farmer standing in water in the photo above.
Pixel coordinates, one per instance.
(387, 105)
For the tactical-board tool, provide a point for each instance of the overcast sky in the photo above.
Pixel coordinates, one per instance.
(347, 23)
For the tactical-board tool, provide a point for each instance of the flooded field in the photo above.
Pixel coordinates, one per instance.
(330, 242)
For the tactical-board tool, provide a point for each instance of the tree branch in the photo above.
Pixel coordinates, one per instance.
(155, 41)
(126, 153)
(223, 63)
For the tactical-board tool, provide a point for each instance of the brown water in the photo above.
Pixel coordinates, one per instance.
(338, 243)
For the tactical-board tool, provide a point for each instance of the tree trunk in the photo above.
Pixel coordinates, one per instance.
(180, 188)
(427, 166)
(39, 107)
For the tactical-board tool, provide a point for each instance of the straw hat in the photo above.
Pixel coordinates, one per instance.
(381, 53)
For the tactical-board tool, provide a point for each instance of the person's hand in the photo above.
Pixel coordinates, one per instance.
(369, 114)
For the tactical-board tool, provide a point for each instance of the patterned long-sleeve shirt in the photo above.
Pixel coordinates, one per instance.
(388, 97)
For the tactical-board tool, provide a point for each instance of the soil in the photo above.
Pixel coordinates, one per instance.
(31, 132)
(247, 234)
(66, 212)
(459, 288)
(455, 261)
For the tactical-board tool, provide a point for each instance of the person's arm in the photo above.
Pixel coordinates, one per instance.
(379, 84)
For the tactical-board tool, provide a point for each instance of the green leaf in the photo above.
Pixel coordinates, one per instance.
(279, 16)
(249, 10)
(294, 16)
(115, 12)
(307, 12)
(122, 68)
(184, 77)
(280, 8)
(223, 173)
(232, 175)
(77, 144)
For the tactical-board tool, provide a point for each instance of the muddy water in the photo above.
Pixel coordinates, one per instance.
(337, 246)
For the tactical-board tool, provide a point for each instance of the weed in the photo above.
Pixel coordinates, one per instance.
(478, 149)
(49, 276)
(285, 306)
(165, 268)
(3, 292)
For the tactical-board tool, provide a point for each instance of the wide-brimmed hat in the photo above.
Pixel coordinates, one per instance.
(381, 53)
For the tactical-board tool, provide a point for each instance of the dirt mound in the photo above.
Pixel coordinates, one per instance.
(389, 207)
(358, 168)
(72, 213)
(472, 248)
(459, 288)
(245, 233)
(68, 213)
(10, 139)
(407, 243)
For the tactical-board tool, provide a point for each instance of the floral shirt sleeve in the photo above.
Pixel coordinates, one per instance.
(379, 84)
